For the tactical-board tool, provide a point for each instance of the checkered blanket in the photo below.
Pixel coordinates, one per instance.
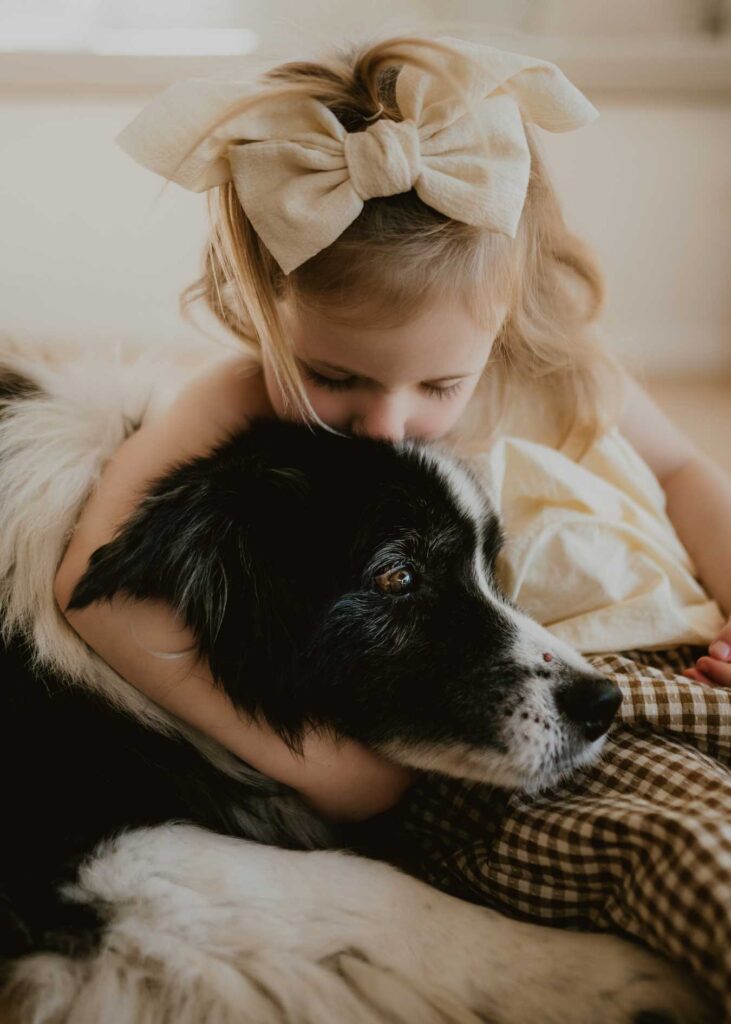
(639, 843)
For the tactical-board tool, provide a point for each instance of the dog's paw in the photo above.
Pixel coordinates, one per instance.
(663, 994)
(608, 980)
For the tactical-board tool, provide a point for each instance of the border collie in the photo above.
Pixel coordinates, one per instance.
(329, 581)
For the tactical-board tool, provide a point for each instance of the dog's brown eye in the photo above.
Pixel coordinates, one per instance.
(395, 581)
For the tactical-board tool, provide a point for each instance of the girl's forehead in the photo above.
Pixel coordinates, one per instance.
(440, 342)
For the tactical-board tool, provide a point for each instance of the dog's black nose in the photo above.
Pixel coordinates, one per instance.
(591, 702)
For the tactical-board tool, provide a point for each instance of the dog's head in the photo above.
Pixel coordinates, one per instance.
(348, 582)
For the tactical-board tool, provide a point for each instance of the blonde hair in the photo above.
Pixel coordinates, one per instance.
(399, 254)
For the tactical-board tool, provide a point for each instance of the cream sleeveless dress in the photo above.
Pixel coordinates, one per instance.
(591, 552)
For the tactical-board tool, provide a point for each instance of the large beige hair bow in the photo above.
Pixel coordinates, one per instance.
(302, 178)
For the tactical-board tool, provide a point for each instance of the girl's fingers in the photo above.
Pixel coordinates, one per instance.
(719, 672)
(697, 677)
(721, 647)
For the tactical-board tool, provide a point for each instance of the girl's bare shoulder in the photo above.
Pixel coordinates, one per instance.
(219, 398)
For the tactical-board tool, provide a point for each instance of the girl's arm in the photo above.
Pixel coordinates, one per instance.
(342, 780)
(698, 495)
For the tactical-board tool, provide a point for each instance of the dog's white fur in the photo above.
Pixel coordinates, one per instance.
(216, 929)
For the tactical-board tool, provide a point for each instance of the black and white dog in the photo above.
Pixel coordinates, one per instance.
(329, 581)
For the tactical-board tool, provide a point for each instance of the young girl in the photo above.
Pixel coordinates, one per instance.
(387, 246)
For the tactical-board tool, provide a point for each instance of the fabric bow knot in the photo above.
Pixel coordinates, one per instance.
(384, 160)
(302, 179)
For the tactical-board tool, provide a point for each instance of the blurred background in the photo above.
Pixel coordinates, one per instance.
(89, 250)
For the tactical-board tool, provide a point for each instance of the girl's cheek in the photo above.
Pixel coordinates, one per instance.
(439, 417)
(332, 408)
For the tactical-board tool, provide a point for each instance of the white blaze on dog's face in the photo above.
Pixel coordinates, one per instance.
(544, 710)
(534, 733)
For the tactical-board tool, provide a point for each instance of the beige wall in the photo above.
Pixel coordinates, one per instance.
(84, 253)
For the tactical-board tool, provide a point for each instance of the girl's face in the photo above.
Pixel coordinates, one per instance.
(411, 381)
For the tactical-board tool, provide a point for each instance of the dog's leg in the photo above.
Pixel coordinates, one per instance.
(203, 926)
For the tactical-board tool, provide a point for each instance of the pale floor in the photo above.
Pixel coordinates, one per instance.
(702, 408)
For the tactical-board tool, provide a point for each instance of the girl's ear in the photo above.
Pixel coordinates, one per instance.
(215, 545)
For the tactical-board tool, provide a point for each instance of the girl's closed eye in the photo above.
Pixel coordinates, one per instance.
(332, 383)
(443, 392)
(348, 383)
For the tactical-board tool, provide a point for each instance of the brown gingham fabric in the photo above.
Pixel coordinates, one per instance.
(639, 843)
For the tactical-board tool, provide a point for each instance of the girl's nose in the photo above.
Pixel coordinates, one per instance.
(384, 417)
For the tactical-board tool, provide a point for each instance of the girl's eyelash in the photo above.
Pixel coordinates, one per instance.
(345, 383)
(340, 384)
(443, 392)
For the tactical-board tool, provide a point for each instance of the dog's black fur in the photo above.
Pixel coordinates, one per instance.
(276, 548)
(269, 549)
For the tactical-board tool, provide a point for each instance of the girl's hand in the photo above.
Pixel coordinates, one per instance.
(345, 781)
(714, 669)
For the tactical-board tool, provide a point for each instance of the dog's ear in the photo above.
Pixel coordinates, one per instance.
(217, 540)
